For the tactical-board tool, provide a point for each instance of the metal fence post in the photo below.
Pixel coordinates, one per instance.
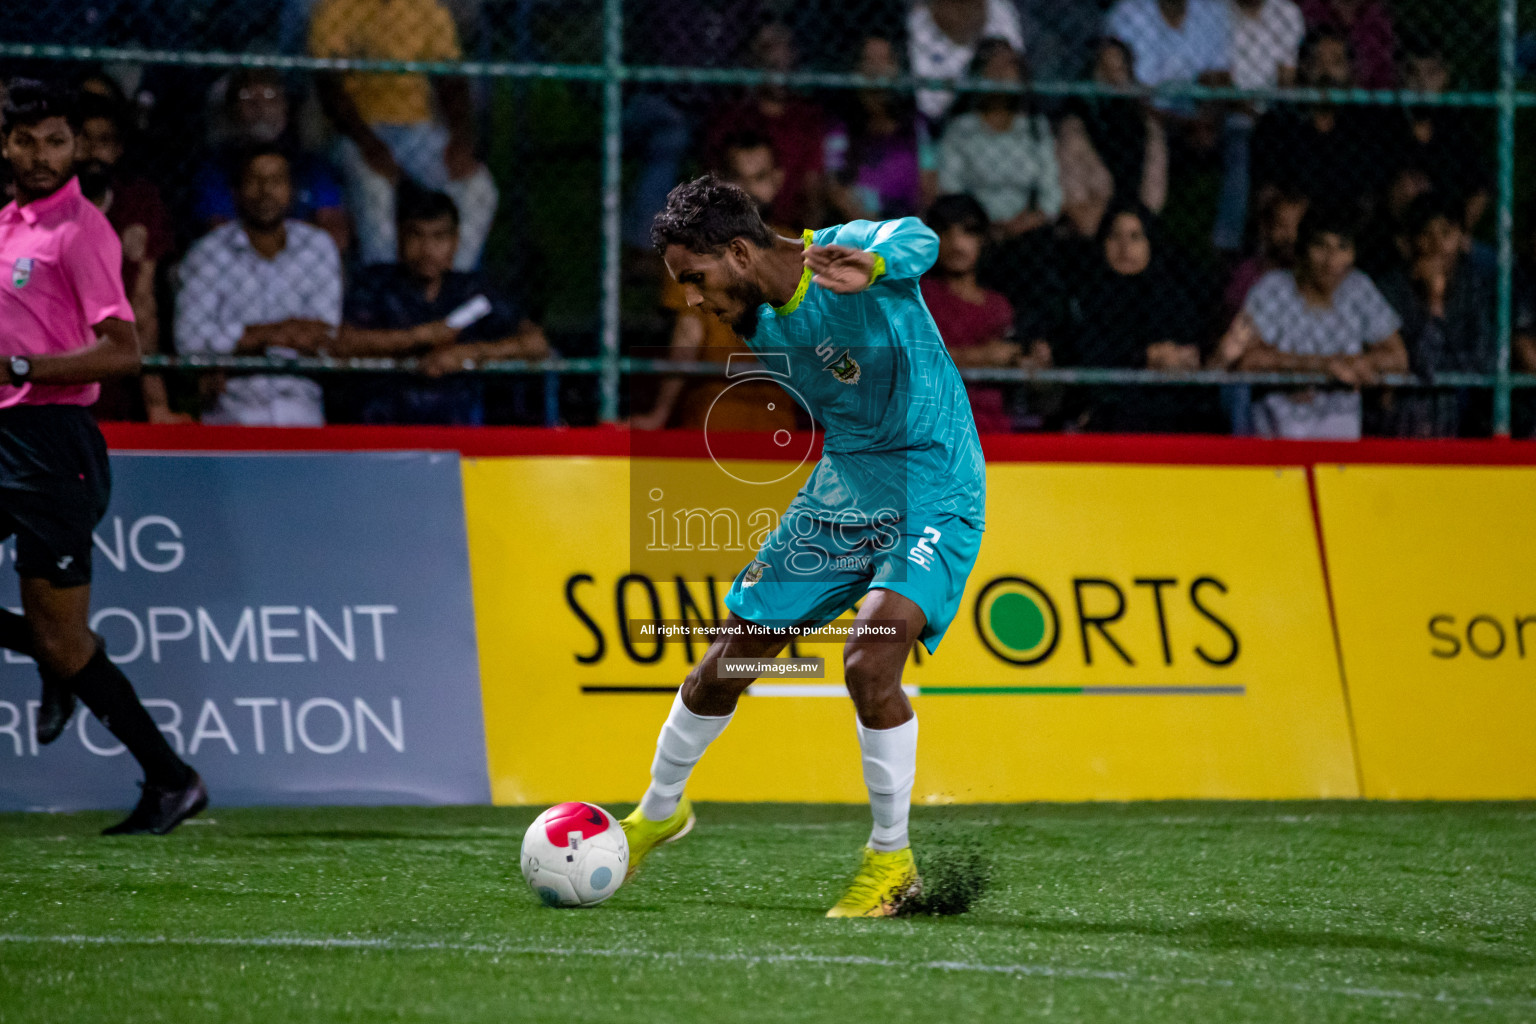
(1501, 388)
(613, 181)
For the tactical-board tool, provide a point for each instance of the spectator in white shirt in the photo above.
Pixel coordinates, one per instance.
(1001, 151)
(1174, 41)
(1266, 42)
(1061, 34)
(262, 284)
(942, 37)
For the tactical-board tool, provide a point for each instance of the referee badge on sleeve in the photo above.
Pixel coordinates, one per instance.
(21, 273)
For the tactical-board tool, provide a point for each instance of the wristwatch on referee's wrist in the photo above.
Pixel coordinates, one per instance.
(19, 369)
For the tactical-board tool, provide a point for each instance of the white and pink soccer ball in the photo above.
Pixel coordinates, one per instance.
(575, 855)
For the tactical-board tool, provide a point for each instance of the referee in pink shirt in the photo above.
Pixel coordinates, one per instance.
(65, 324)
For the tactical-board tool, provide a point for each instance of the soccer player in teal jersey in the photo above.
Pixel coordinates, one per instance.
(893, 512)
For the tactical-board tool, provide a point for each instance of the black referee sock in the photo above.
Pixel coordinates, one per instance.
(108, 693)
(15, 634)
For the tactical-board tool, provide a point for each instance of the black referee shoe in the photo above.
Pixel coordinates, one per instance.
(161, 810)
(58, 706)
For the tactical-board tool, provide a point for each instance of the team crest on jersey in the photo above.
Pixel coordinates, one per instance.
(754, 573)
(21, 273)
(845, 368)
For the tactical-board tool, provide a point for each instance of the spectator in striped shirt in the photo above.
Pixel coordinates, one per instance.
(261, 285)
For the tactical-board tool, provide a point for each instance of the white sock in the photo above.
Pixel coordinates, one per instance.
(683, 740)
(890, 765)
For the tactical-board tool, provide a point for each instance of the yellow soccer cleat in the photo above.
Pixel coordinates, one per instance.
(884, 881)
(645, 835)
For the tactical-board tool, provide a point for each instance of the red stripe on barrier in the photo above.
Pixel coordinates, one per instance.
(1333, 623)
(469, 441)
(1181, 449)
(1210, 450)
(472, 441)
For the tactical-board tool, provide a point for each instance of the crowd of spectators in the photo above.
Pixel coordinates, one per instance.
(1156, 232)
(350, 212)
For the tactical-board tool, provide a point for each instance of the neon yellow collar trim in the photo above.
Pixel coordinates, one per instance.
(805, 282)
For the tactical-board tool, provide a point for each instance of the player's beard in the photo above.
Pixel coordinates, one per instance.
(745, 322)
(40, 181)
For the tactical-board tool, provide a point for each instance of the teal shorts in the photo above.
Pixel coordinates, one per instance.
(810, 571)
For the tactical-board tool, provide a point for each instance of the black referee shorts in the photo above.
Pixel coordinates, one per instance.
(54, 485)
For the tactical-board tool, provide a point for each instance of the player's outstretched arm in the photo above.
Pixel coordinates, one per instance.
(905, 248)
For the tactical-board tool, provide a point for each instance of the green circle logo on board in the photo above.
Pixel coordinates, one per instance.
(1017, 620)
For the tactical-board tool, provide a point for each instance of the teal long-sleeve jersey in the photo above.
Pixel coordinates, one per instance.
(871, 368)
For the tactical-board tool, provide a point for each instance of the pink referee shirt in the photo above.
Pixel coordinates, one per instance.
(60, 275)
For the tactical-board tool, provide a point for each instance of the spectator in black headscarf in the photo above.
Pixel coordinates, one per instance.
(1136, 312)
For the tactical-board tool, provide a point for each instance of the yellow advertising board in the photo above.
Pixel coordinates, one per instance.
(1434, 582)
(1129, 632)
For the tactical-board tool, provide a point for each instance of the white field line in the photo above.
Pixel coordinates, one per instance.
(1037, 817)
(390, 945)
(761, 689)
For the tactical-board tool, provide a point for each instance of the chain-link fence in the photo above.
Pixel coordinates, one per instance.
(1283, 217)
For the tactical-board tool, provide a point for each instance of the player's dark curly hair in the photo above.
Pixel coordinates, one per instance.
(29, 101)
(704, 215)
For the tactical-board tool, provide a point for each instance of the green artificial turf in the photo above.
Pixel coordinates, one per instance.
(1150, 912)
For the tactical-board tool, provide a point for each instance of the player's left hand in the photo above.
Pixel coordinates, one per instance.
(840, 268)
